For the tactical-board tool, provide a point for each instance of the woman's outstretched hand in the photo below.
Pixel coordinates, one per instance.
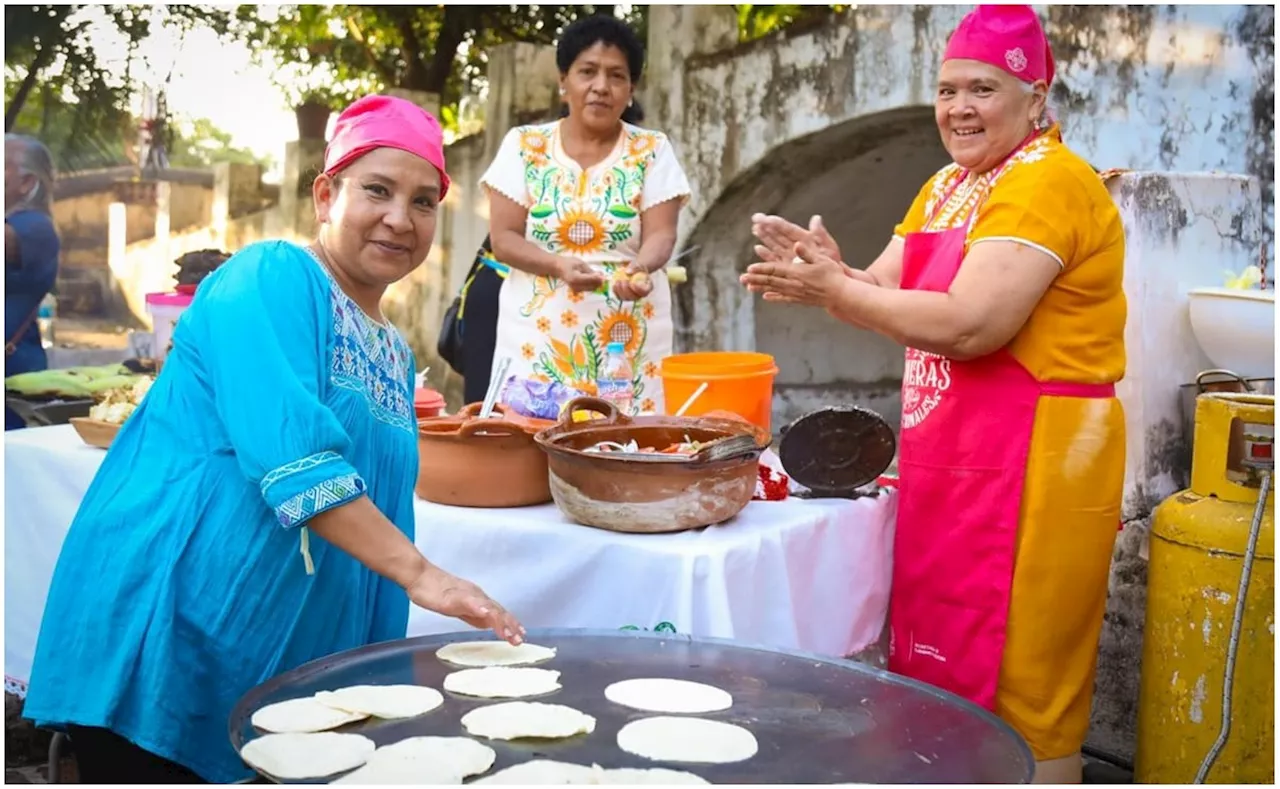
(778, 238)
(439, 591)
(814, 278)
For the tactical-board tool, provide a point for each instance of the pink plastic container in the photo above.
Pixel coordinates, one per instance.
(165, 309)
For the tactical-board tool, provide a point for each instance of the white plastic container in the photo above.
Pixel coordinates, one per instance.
(165, 309)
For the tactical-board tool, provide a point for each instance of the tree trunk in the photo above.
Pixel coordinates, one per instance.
(453, 31)
(416, 77)
(28, 82)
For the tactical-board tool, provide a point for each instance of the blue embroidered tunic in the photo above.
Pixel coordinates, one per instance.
(181, 584)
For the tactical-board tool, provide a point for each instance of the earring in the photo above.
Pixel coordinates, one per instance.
(631, 103)
(562, 91)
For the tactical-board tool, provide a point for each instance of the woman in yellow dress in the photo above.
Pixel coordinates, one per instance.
(578, 208)
(1004, 282)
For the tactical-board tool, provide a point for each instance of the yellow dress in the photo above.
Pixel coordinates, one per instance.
(1051, 199)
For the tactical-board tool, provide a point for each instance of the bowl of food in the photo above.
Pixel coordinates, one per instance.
(649, 474)
(112, 409)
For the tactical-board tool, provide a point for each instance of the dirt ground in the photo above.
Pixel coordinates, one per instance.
(74, 332)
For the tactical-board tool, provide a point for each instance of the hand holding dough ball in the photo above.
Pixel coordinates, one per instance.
(631, 285)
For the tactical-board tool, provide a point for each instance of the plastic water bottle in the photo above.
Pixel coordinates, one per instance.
(615, 383)
(44, 319)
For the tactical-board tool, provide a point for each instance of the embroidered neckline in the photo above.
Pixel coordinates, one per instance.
(563, 158)
(333, 281)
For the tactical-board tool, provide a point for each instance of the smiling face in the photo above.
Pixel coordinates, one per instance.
(597, 86)
(378, 216)
(983, 113)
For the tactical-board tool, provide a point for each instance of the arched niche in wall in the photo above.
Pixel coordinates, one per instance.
(861, 176)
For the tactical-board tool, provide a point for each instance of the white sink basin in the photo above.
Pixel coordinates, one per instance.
(1236, 329)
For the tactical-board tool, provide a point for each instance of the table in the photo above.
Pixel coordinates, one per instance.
(811, 575)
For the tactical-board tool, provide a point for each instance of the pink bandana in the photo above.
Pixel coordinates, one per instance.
(386, 122)
(1008, 37)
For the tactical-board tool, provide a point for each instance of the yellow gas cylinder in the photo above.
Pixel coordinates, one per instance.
(1201, 646)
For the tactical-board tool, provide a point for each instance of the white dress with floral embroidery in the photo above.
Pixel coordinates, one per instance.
(549, 332)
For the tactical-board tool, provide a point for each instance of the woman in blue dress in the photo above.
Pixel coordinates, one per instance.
(30, 255)
(256, 510)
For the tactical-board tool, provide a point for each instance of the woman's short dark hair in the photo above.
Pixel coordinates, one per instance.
(600, 29)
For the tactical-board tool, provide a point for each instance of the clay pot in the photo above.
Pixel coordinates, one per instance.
(465, 461)
(632, 495)
(313, 120)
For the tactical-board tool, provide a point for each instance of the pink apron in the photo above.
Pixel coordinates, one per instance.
(966, 431)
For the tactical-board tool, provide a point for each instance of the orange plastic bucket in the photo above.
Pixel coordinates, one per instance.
(736, 381)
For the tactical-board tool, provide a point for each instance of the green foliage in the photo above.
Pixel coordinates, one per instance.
(758, 21)
(198, 143)
(355, 49)
(79, 137)
(336, 53)
(58, 85)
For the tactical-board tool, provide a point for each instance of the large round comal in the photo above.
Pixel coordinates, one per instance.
(794, 718)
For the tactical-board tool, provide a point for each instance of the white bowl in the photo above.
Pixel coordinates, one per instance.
(1236, 329)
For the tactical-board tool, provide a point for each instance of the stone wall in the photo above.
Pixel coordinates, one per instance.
(81, 213)
(182, 218)
(1181, 232)
(822, 118)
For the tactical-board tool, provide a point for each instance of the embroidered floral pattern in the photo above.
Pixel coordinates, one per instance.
(373, 360)
(970, 190)
(575, 214)
(591, 214)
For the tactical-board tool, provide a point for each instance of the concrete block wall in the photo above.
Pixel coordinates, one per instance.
(1182, 231)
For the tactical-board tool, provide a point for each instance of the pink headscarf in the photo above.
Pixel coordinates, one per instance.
(386, 122)
(1008, 37)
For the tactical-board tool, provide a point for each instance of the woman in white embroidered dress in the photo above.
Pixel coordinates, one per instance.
(576, 208)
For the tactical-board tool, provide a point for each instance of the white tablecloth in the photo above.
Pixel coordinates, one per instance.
(808, 575)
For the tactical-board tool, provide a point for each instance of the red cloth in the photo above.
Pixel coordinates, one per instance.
(1008, 37)
(386, 122)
